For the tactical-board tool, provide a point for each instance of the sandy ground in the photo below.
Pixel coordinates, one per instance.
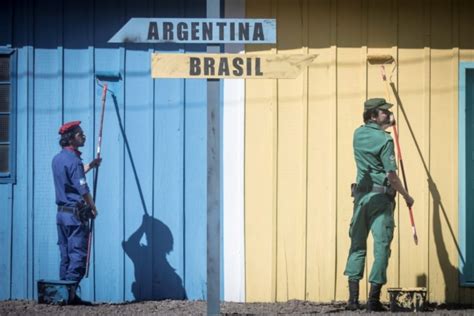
(169, 307)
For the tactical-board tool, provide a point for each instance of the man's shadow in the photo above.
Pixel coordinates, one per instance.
(450, 271)
(155, 278)
(440, 219)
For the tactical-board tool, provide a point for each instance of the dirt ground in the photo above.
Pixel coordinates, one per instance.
(169, 307)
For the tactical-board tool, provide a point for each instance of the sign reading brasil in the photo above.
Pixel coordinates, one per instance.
(230, 66)
(215, 31)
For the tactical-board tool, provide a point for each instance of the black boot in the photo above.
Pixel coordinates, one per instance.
(373, 303)
(353, 302)
(76, 299)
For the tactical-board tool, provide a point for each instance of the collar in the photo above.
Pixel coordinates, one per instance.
(73, 150)
(373, 125)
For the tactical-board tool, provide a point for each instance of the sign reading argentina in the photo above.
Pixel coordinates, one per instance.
(178, 30)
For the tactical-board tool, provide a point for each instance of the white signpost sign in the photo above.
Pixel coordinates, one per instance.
(229, 66)
(197, 31)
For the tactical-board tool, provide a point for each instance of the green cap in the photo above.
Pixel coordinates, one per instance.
(377, 103)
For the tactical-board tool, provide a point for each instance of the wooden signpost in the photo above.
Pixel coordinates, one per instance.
(197, 31)
(213, 31)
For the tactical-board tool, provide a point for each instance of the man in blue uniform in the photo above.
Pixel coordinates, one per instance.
(74, 201)
(374, 201)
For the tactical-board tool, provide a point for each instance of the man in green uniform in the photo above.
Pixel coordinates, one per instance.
(374, 201)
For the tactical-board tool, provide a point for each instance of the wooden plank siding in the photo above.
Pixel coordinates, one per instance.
(321, 161)
(60, 47)
(297, 137)
(298, 149)
(20, 275)
(261, 140)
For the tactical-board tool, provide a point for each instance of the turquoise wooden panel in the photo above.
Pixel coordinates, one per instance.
(195, 163)
(168, 171)
(466, 139)
(462, 169)
(78, 90)
(138, 180)
(19, 273)
(109, 233)
(469, 272)
(195, 172)
(140, 241)
(5, 240)
(30, 11)
(169, 180)
(47, 118)
(20, 189)
(138, 177)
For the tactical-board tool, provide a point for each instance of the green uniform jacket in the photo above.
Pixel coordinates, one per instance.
(374, 155)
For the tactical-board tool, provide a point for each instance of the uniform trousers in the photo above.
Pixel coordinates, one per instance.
(373, 212)
(72, 240)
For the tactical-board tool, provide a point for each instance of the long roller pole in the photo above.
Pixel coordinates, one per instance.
(397, 143)
(96, 176)
(402, 168)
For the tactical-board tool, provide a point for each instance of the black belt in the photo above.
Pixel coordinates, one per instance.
(68, 209)
(379, 189)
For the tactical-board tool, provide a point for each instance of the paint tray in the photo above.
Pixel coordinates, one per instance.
(407, 299)
(58, 292)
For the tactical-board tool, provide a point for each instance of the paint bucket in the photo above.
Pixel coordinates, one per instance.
(58, 292)
(407, 299)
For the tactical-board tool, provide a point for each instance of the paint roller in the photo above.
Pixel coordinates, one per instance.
(383, 60)
(101, 79)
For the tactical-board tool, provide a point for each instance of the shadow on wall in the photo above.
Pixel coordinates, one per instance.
(155, 278)
(449, 270)
(421, 280)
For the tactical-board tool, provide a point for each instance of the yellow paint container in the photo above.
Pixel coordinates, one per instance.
(407, 299)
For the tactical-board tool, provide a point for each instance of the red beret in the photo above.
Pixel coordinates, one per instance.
(68, 126)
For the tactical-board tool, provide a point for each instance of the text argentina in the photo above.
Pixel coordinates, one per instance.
(205, 31)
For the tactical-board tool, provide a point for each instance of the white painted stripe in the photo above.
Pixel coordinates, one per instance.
(233, 170)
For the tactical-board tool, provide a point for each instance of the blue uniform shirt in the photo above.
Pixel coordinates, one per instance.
(69, 177)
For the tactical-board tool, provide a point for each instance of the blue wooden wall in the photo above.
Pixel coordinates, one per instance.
(157, 126)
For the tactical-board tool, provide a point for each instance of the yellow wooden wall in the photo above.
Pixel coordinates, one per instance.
(298, 144)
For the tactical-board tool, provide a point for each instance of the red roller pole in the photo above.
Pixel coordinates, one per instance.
(397, 143)
(410, 209)
(96, 175)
